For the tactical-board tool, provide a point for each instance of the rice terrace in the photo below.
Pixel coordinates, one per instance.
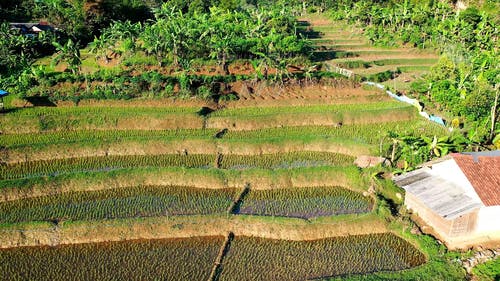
(244, 140)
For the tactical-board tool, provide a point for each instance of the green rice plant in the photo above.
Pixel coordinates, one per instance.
(100, 136)
(168, 259)
(138, 201)
(106, 163)
(418, 61)
(262, 111)
(196, 177)
(102, 163)
(305, 202)
(330, 118)
(42, 119)
(285, 160)
(251, 258)
(363, 133)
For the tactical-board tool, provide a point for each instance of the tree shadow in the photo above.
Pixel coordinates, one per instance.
(205, 111)
(325, 55)
(40, 101)
(310, 34)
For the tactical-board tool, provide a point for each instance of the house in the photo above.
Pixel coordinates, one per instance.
(31, 29)
(457, 198)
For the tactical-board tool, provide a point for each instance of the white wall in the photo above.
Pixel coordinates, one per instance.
(488, 219)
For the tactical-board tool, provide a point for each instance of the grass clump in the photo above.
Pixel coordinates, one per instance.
(488, 271)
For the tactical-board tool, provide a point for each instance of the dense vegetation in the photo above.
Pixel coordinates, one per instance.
(488, 271)
(465, 81)
(268, 37)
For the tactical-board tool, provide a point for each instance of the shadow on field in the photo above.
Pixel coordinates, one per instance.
(40, 101)
(205, 111)
(325, 55)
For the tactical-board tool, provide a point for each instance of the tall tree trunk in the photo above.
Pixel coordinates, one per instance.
(393, 154)
(494, 112)
(224, 66)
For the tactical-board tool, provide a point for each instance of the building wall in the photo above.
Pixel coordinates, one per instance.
(440, 225)
(488, 220)
(447, 229)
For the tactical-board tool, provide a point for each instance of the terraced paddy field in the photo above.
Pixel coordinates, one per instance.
(347, 47)
(139, 201)
(194, 258)
(226, 187)
(65, 182)
(174, 259)
(249, 258)
(305, 203)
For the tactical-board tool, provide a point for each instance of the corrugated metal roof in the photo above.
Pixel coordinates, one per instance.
(411, 177)
(443, 197)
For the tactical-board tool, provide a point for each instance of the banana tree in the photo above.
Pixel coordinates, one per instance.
(222, 35)
(100, 46)
(170, 33)
(69, 53)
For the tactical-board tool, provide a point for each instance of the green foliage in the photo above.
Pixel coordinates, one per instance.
(463, 82)
(489, 271)
(68, 53)
(414, 150)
